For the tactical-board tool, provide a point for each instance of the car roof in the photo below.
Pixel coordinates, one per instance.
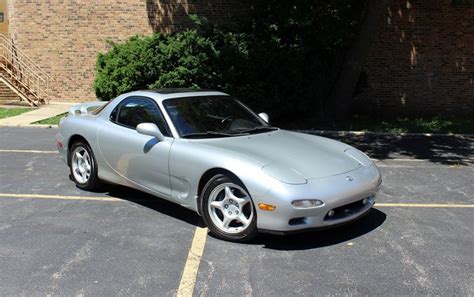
(168, 93)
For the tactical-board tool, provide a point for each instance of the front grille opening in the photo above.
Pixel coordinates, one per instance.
(297, 221)
(345, 211)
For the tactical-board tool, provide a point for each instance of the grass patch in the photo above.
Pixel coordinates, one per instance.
(51, 121)
(14, 111)
(408, 125)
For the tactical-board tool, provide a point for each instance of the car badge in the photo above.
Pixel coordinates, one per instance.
(349, 178)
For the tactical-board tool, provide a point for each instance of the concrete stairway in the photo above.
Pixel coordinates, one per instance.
(7, 96)
(20, 78)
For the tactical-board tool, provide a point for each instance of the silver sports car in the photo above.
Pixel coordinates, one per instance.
(210, 153)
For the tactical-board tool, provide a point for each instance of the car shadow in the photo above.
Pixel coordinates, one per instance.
(322, 238)
(300, 241)
(152, 202)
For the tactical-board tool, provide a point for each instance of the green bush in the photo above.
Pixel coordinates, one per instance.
(282, 66)
(179, 60)
(262, 73)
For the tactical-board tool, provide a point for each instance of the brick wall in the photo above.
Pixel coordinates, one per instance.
(422, 60)
(64, 37)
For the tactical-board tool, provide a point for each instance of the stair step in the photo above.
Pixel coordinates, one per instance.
(20, 77)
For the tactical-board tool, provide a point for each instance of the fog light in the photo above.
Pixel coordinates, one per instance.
(306, 203)
(267, 207)
(365, 201)
(331, 213)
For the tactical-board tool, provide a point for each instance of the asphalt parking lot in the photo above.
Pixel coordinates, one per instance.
(58, 240)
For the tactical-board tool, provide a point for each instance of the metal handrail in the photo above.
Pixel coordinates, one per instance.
(24, 76)
(22, 66)
(13, 58)
(19, 67)
(24, 56)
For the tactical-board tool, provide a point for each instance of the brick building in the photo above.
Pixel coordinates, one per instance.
(420, 62)
(422, 59)
(64, 37)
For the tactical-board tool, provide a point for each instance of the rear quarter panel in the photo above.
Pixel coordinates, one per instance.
(85, 126)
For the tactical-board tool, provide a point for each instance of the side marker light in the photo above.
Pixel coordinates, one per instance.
(267, 207)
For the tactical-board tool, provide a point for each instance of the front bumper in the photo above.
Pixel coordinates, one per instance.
(309, 229)
(343, 194)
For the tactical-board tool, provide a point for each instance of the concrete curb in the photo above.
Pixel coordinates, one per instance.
(28, 126)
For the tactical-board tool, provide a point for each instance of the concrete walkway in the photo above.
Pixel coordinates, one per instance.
(42, 113)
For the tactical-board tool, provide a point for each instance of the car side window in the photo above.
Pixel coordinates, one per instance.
(136, 110)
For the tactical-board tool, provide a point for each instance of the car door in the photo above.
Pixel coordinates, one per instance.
(141, 160)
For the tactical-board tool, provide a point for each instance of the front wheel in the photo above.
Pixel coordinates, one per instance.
(228, 210)
(83, 166)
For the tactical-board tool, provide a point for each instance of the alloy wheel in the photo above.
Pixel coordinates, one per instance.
(230, 208)
(81, 165)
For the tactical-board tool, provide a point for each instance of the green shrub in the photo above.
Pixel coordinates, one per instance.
(282, 66)
(154, 62)
(261, 73)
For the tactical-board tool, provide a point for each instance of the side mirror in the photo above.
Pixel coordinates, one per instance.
(264, 116)
(151, 130)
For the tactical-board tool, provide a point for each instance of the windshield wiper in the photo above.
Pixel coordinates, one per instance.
(259, 129)
(208, 134)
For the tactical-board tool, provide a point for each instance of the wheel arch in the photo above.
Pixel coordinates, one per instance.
(207, 176)
(73, 139)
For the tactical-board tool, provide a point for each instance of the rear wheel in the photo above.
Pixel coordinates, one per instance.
(228, 210)
(83, 166)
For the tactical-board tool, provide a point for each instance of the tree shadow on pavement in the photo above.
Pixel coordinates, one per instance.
(443, 149)
(323, 238)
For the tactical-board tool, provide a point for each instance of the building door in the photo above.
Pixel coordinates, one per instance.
(4, 17)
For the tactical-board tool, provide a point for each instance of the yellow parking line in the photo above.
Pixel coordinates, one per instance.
(188, 279)
(61, 197)
(98, 198)
(425, 205)
(193, 260)
(28, 151)
(113, 199)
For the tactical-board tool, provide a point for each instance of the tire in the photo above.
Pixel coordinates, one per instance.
(83, 166)
(228, 210)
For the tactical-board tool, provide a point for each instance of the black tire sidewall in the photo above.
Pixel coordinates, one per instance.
(93, 182)
(243, 236)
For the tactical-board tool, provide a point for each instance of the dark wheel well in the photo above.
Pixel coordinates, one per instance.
(209, 174)
(72, 140)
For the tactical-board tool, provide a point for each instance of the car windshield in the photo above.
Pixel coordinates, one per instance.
(212, 117)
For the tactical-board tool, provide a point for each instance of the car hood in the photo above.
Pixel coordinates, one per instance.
(291, 156)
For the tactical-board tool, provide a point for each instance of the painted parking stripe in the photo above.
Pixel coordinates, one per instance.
(113, 199)
(191, 267)
(60, 197)
(373, 159)
(55, 152)
(28, 151)
(188, 278)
